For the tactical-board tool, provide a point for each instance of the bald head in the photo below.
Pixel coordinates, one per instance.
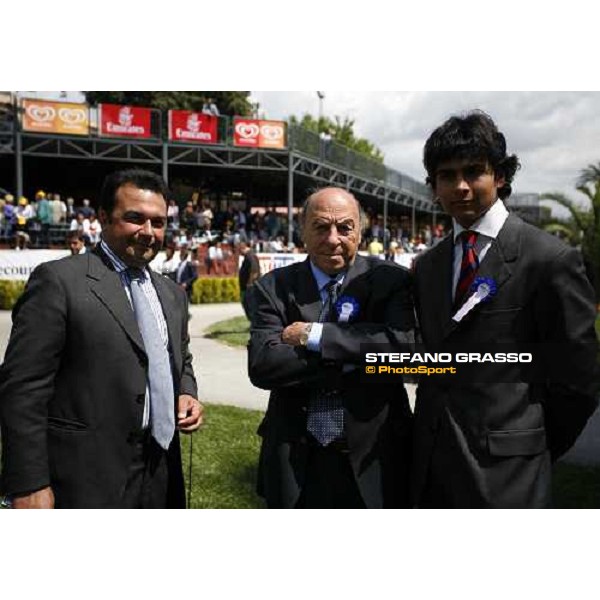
(331, 229)
(328, 193)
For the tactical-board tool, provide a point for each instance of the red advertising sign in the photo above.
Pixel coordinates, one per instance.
(189, 126)
(124, 121)
(252, 133)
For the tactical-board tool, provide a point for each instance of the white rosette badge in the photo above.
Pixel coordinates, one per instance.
(346, 308)
(483, 290)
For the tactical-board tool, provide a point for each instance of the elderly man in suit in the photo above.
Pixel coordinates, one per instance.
(97, 378)
(330, 440)
(488, 440)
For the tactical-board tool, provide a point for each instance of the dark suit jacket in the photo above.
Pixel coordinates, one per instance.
(489, 443)
(188, 276)
(73, 383)
(377, 416)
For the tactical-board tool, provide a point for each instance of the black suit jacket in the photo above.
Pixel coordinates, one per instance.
(73, 382)
(377, 416)
(489, 442)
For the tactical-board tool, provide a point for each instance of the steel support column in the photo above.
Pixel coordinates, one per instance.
(290, 198)
(165, 162)
(386, 240)
(18, 164)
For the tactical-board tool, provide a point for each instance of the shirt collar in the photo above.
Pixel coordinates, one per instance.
(117, 263)
(489, 224)
(323, 279)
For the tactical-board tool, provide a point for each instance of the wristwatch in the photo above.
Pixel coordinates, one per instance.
(304, 335)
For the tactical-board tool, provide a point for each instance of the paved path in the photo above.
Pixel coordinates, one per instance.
(223, 377)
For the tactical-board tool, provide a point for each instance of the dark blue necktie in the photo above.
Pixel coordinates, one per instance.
(325, 410)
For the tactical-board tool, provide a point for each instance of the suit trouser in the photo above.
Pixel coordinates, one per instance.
(330, 481)
(148, 478)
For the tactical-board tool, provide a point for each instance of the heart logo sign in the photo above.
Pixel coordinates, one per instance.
(272, 132)
(72, 116)
(247, 130)
(40, 114)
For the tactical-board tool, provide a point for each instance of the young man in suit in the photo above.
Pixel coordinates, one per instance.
(489, 440)
(330, 439)
(97, 378)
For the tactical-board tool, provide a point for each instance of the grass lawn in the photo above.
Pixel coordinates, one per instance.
(233, 332)
(225, 458)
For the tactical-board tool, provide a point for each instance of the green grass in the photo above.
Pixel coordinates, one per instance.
(233, 332)
(225, 459)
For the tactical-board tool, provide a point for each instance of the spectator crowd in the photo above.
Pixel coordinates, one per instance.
(211, 236)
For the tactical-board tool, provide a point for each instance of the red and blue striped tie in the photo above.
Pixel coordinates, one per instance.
(468, 267)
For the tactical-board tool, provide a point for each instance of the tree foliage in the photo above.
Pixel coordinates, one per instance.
(229, 103)
(341, 132)
(583, 227)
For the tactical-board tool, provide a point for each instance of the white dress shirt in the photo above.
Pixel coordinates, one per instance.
(488, 227)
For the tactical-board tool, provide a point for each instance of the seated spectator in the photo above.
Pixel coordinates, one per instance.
(210, 108)
(9, 215)
(169, 266)
(214, 258)
(375, 248)
(173, 215)
(94, 229)
(82, 225)
(86, 209)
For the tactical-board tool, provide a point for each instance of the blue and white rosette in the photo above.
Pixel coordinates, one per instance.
(483, 290)
(346, 308)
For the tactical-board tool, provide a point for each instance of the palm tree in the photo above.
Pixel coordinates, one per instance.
(583, 229)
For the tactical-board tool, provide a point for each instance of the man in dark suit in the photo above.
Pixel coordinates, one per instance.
(329, 439)
(488, 440)
(97, 377)
(187, 272)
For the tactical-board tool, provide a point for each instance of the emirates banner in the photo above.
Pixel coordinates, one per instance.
(124, 121)
(189, 126)
(46, 116)
(252, 133)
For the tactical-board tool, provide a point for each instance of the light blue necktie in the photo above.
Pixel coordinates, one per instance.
(325, 410)
(162, 395)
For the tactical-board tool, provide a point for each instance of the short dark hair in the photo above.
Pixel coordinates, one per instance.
(75, 235)
(140, 178)
(473, 135)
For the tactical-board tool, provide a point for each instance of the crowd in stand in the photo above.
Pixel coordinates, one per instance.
(212, 235)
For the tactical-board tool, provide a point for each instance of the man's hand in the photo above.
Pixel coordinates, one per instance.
(189, 414)
(43, 498)
(292, 333)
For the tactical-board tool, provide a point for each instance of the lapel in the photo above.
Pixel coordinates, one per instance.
(306, 294)
(106, 285)
(497, 263)
(436, 300)
(166, 295)
(358, 267)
